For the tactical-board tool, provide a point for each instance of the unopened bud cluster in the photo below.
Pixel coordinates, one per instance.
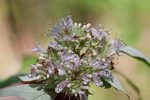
(76, 56)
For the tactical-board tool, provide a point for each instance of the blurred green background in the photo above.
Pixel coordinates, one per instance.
(23, 23)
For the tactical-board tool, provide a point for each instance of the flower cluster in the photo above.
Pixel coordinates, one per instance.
(76, 56)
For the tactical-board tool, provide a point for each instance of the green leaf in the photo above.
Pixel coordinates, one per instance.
(27, 92)
(106, 84)
(135, 53)
(11, 80)
(24, 69)
(134, 87)
(116, 84)
(26, 62)
(25, 78)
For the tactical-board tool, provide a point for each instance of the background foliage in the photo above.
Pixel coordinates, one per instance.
(23, 23)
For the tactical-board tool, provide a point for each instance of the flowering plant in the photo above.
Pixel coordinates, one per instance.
(77, 55)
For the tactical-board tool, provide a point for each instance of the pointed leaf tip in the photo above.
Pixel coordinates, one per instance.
(135, 54)
(116, 84)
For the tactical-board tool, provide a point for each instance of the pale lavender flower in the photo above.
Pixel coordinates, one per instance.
(57, 29)
(61, 86)
(76, 60)
(100, 34)
(101, 31)
(39, 48)
(71, 61)
(105, 73)
(50, 64)
(51, 70)
(66, 23)
(51, 67)
(65, 57)
(55, 32)
(61, 71)
(115, 47)
(97, 64)
(86, 27)
(96, 34)
(68, 65)
(41, 58)
(54, 45)
(85, 78)
(60, 53)
(97, 80)
(39, 65)
(67, 38)
(34, 70)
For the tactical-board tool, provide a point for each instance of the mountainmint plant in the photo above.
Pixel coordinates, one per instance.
(76, 56)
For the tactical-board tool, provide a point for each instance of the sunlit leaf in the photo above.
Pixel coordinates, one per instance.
(135, 53)
(26, 78)
(26, 92)
(106, 84)
(132, 84)
(116, 84)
